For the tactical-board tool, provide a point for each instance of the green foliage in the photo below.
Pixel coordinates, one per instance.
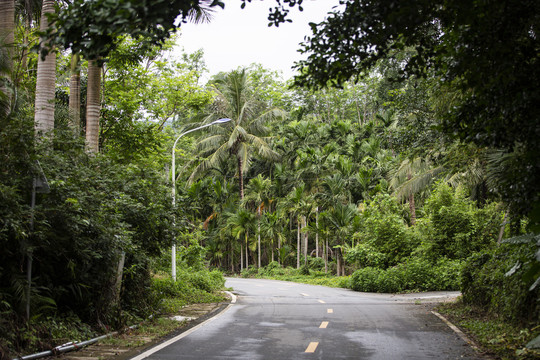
(455, 227)
(385, 230)
(498, 281)
(492, 332)
(365, 255)
(416, 274)
(193, 255)
(191, 287)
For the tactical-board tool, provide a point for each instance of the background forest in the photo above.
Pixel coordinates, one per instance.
(366, 181)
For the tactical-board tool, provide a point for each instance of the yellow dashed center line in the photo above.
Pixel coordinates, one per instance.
(322, 301)
(311, 347)
(330, 311)
(304, 294)
(324, 324)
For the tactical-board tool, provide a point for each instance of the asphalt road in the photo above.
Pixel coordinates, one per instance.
(282, 320)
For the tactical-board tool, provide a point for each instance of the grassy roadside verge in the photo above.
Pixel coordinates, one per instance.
(495, 336)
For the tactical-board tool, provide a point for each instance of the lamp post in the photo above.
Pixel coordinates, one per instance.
(173, 168)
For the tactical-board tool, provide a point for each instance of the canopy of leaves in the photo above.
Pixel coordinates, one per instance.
(92, 27)
(486, 50)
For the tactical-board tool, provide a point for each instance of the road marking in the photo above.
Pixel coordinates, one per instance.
(330, 311)
(322, 301)
(304, 294)
(324, 324)
(180, 336)
(311, 347)
(460, 333)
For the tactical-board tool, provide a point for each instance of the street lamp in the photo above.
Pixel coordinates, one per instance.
(219, 121)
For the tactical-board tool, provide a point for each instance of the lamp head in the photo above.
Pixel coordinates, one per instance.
(221, 121)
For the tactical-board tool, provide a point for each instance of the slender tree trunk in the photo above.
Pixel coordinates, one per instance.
(241, 178)
(411, 204)
(45, 80)
(7, 26)
(241, 256)
(259, 238)
(298, 244)
(503, 226)
(232, 258)
(317, 232)
(247, 253)
(75, 95)
(326, 255)
(93, 106)
(304, 224)
(279, 251)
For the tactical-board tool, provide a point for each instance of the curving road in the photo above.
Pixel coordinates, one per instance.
(282, 320)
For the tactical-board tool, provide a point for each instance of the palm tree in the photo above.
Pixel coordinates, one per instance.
(272, 226)
(7, 27)
(240, 137)
(298, 205)
(258, 196)
(93, 106)
(46, 79)
(75, 94)
(410, 177)
(240, 224)
(341, 219)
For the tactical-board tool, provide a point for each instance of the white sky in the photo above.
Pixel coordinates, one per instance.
(237, 37)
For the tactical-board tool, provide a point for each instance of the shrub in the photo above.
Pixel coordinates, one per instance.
(364, 254)
(385, 232)
(455, 227)
(416, 274)
(500, 280)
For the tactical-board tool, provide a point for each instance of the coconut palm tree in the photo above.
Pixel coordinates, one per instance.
(410, 177)
(241, 137)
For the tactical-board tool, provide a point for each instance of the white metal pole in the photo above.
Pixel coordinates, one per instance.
(173, 176)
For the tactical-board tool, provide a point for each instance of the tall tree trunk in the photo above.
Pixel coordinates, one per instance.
(241, 178)
(7, 26)
(304, 224)
(326, 255)
(241, 256)
(45, 80)
(411, 204)
(93, 106)
(247, 252)
(75, 94)
(259, 238)
(232, 259)
(317, 232)
(279, 250)
(298, 244)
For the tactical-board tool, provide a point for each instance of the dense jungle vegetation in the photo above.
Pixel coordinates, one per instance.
(416, 173)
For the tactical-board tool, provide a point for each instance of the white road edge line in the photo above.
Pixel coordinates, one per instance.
(460, 333)
(186, 333)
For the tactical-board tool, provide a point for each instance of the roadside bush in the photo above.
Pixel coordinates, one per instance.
(249, 272)
(364, 255)
(414, 275)
(454, 227)
(505, 280)
(366, 279)
(190, 287)
(316, 263)
(384, 233)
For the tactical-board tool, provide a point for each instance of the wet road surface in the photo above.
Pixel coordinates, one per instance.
(282, 320)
